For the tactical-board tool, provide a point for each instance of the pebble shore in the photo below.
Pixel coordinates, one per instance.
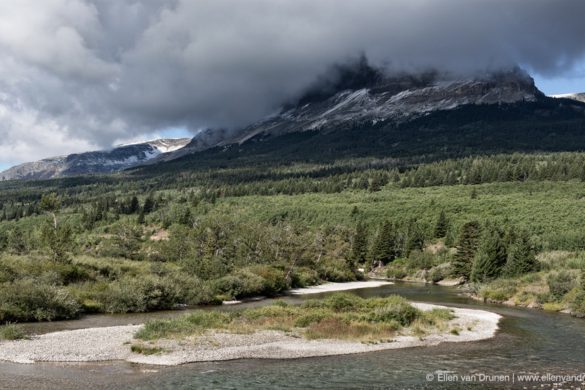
(113, 343)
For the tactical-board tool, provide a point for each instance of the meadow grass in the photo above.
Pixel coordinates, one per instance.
(340, 316)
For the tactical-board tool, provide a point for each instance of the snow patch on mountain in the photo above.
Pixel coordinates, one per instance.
(105, 161)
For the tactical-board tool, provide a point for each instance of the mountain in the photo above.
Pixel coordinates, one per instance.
(104, 161)
(364, 112)
(363, 96)
(360, 111)
(580, 97)
(395, 99)
(363, 105)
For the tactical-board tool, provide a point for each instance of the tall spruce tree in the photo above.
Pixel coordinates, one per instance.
(384, 248)
(359, 247)
(491, 256)
(415, 238)
(521, 257)
(442, 225)
(466, 249)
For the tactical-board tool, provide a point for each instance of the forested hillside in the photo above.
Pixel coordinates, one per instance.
(145, 241)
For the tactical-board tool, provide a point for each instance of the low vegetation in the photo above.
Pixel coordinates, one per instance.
(340, 316)
(12, 332)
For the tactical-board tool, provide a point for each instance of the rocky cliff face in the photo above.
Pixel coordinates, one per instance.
(395, 99)
(107, 161)
(363, 96)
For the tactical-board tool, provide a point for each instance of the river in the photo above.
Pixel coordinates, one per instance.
(529, 342)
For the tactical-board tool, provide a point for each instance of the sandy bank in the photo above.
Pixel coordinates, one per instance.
(332, 287)
(113, 343)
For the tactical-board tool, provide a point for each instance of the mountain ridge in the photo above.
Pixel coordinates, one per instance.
(94, 162)
(354, 114)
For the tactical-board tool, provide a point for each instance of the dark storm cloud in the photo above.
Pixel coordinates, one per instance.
(96, 71)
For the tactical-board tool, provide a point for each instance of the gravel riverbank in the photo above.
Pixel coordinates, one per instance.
(113, 343)
(332, 287)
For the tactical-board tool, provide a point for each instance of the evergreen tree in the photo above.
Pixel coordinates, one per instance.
(376, 184)
(359, 247)
(521, 257)
(134, 205)
(491, 256)
(384, 248)
(442, 225)
(148, 204)
(415, 238)
(466, 249)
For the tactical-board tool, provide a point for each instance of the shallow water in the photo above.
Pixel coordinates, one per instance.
(529, 341)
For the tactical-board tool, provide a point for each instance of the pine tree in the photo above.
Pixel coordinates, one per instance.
(359, 247)
(468, 243)
(491, 256)
(442, 225)
(134, 205)
(521, 257)
(384, 249)
(376, 184)
(148, 205)
(415, 238)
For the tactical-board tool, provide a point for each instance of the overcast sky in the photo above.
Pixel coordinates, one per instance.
(87, 74)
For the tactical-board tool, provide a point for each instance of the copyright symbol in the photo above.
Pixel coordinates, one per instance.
(430, 377)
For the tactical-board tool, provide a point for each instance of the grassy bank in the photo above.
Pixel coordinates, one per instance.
(557, 285)
(340, 316)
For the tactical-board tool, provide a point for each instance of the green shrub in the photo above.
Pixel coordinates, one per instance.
(499, 290)
(335, 271)
(274, 279)
(560, 283)
(32, 300)
(147, 293)
(578, 305)
(12, 332)
(343, 302)
(311, 318)
(420, 260)
(437, 274)
(396, 272)
(242, 284)
(399, 310)
(304, 277)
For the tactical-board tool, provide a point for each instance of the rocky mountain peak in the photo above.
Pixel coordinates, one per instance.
(101, 161)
